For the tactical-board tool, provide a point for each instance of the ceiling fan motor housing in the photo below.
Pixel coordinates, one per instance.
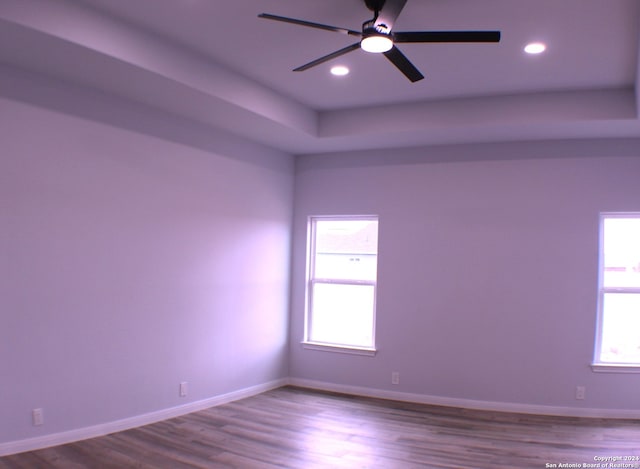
(370, 27)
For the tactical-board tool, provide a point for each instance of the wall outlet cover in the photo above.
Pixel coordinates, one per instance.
(38, 417)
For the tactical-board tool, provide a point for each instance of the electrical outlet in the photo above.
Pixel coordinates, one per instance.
(395, 377)
(38, 417)
(183, 389)
(581, 392)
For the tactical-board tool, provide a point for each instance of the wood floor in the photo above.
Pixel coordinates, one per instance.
(297, 428)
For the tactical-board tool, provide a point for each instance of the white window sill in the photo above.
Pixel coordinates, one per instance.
(615, 368)
(367, 351)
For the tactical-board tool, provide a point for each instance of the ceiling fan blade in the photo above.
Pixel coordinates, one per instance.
(447, 36)
(390, 12)
(325, 27)
(328, 57)
(403, 64)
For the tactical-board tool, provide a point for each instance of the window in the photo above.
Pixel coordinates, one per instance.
(341, 288)
(618, 334)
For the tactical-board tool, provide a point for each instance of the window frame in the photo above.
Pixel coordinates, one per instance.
(311, 281)
(597, 364)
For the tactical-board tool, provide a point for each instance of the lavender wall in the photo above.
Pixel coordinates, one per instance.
(138, 250)
(487, 268)
(130, 263)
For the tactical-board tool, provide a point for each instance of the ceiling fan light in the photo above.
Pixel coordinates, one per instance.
(376, 43)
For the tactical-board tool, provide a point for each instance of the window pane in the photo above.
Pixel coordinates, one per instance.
(620, 328)
(346, 249)
(342, 314)
(346, 266)
(621, 254)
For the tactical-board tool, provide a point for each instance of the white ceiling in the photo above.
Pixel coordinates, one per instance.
(217, 63)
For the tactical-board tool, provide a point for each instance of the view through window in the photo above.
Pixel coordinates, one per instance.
(343, 258)
(619, 311)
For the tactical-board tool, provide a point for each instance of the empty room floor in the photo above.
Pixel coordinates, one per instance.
(300, 428)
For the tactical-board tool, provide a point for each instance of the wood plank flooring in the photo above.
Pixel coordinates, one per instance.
(297, 428)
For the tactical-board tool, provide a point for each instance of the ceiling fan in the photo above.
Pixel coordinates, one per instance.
(377, 36)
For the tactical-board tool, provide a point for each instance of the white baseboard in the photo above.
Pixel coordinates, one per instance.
(468, 403)
(62, 438)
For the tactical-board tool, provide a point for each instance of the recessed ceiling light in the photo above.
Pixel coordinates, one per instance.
(535, 48)
(339, 70)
